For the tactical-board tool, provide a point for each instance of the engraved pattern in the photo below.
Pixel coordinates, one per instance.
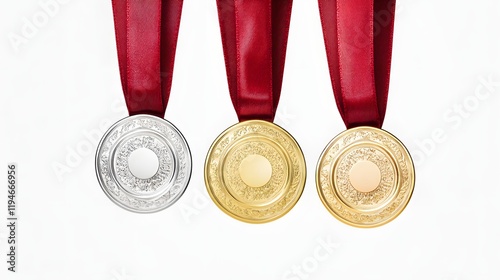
(360, 199)
(255, 195)
(137, 195)
(140, 186)
(383, 204)
(255, 137)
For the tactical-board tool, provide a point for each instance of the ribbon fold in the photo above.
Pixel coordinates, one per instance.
(358, 39)
(254, 38)
(146, 38)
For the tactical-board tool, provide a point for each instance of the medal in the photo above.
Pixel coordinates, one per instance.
(255, 170)
(143, 162)
(365, 176)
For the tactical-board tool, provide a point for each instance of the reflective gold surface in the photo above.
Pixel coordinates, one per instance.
(255, 171)
(365, 177)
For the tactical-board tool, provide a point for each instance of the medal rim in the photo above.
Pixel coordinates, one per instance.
(118, 202)
(395, 214)
(301, 184)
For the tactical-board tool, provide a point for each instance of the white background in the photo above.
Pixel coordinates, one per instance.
(60, 90)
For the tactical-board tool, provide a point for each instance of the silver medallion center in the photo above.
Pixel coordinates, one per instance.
(143, 163)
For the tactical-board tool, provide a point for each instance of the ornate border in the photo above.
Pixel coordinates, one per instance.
(233, 137)
(167, 133)
(365, 216)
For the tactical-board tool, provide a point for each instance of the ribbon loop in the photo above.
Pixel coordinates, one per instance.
(254, 36)
(146, 39)
(358, 40)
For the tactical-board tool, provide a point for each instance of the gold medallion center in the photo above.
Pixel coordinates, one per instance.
(364, 176)
(255, 171)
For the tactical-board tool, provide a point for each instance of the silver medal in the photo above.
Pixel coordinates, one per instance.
(143, 163)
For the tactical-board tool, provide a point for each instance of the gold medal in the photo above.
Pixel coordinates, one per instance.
(255, 171)
(365, 177)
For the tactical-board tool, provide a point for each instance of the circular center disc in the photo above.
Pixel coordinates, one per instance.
(143, 163)
(255, 170)
(364, 176)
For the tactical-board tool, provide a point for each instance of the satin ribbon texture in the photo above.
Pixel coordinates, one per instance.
(146, 39)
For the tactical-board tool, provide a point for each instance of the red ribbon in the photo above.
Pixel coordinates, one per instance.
(358, 40)
(146, 39)
(254, 38)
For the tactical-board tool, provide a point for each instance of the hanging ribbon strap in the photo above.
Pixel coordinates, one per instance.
(358, 39)
(146, 39)
(254, 37)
